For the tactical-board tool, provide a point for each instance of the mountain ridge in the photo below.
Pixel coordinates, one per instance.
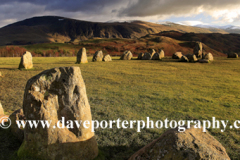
(47, 29)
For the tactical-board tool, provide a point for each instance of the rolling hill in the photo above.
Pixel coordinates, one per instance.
(59, 29)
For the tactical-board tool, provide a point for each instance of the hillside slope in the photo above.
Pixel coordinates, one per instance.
(59, 29)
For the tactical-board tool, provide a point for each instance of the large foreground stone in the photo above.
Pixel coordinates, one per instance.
(232, 55)
(98, 56)
(26, 61)
(16, 131)
(107, 58)
(193, 144)
(127, 55)
(177, 55)
(51, 95)
(82, 56)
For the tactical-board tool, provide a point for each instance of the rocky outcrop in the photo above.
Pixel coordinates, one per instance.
(198, 50)
(177, 55)
(107, 58)
(193, 144)
(127, 55)
(16, 131)
(58, 95)
(98, 56)
(82, 56)
(26, 61)
(232, 55)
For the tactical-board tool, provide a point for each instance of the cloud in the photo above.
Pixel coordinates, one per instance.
(192, 23)
(227, 11)
(105, 10)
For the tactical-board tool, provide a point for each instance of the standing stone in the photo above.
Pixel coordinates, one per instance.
(127, 55)
(1, 109)
(53, 95)
(161, 54)
(198, 50)
(232, 55)
(152, 52)
(26, 61)
(193, 144)
(192, 57)
(98, 56)
(82, 56)
(140, 55)
(177, 55)
(184, 59)
(158, 56)
(209, 56)
(16, 116)
(107, 58)
(147, 56)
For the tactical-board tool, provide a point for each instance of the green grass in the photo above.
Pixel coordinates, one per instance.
(136, 89)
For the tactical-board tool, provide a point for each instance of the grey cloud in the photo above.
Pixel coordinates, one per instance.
(104, 10)
(142, 8)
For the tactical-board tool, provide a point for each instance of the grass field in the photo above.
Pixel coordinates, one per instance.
(134, 90)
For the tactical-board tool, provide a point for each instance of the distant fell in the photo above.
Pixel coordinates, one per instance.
(60, 29)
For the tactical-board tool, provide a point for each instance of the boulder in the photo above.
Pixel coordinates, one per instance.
(152, 52)
(26, 61)
(203, 61)
(140, 55)
(193, 144)
(98, 56)
(177, 55)
(184, 59)
(107, 58)
(198, 50)
(15, 116)
(161, 54)
(232, 55)
(1, 109)
(58, 95)
(147, 56)
(127, 55)
(192, 57)
(158, 56)
(209, 56)
(82, 56)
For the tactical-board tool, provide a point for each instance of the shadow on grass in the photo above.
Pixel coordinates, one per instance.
(10, 145)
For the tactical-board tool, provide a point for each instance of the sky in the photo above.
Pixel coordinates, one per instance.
(188, 12)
